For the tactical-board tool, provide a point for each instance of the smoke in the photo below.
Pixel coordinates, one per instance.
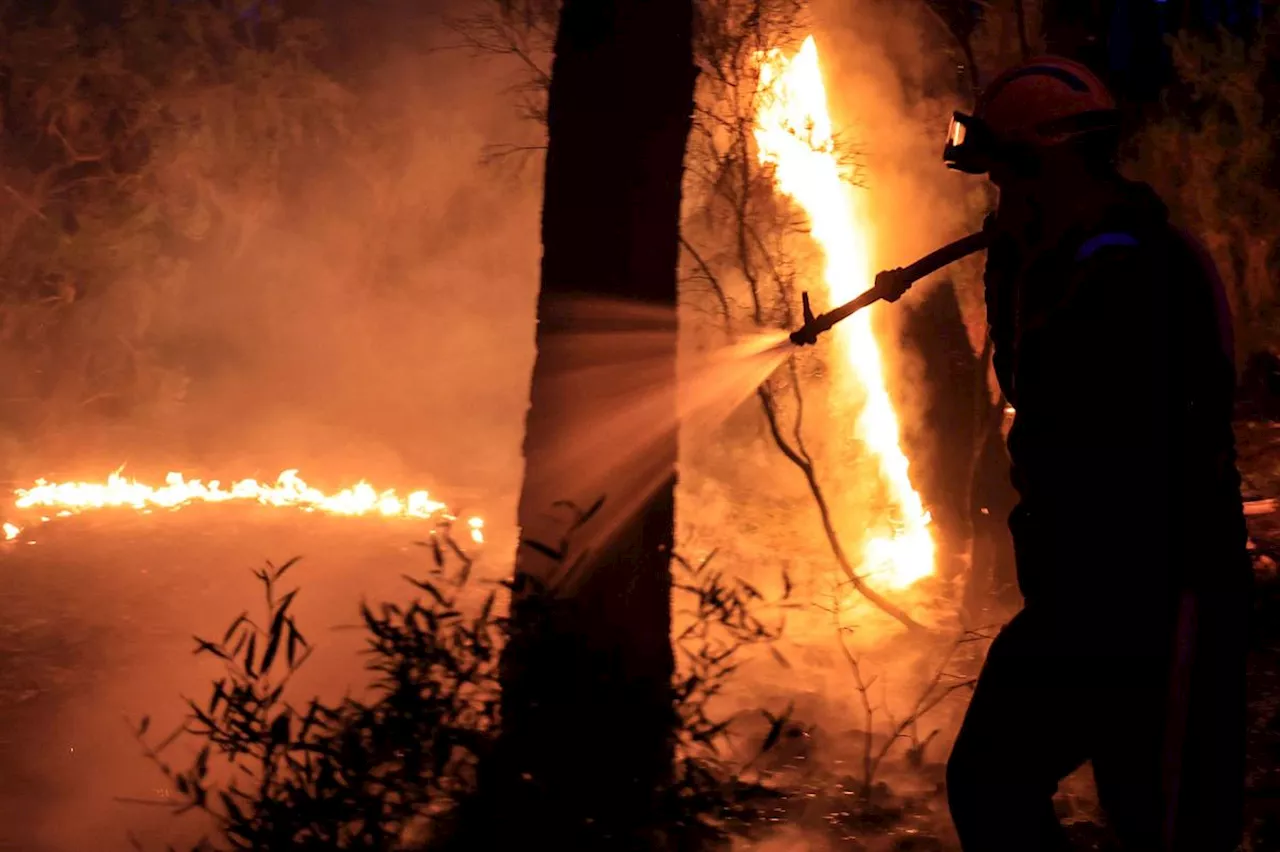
(333, 311)
(358, 308)
(610, 362)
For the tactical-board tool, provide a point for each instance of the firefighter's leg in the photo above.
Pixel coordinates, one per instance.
(1020, 737)
(1127, 763)
(1133, 759)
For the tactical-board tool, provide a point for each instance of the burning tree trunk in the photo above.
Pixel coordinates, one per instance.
(936, 331)
(969, 491)
(586, 746)
(984, 503)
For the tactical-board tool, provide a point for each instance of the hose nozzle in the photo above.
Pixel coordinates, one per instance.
(805, 335)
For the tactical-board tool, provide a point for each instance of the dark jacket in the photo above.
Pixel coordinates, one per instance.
(1113, 345)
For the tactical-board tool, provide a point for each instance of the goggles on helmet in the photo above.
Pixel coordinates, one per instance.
(971, 146)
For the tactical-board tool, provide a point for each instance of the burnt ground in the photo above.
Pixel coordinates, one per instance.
(909, 813)
(96, 626)
(96, 623)
(1260, 465)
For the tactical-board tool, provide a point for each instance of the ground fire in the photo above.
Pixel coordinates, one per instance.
(64, 499)
(794, 135)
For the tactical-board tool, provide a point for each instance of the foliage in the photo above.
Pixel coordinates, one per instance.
(126, 146)
(395, 766)
(1210, 151)
(723, 622)
(360, 773)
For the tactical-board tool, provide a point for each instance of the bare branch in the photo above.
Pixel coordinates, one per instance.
(868, 767)
(959, 25)
(933, 694)
(712, 280)
(1024, 43)
(824, 512)
(524, 32)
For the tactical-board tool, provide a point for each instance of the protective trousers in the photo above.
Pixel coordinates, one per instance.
(1067, 684)
(1051, 696)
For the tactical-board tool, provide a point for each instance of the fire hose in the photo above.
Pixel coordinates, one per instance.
(889, 286)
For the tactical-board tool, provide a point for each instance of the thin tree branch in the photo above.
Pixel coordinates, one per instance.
(864, 687)
(1024, 43)
(712, 280)
(824, 512)
(965, 43)
(930, 697)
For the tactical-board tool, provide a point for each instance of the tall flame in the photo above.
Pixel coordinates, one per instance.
(793, 134)
(63, 499)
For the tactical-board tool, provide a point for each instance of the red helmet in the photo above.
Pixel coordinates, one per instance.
(1044, 102)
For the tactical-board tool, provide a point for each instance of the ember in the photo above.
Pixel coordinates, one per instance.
(63, 499)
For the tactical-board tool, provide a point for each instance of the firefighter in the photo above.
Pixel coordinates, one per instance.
(1113, 344)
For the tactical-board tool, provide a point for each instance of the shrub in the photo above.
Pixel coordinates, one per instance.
(397, 766)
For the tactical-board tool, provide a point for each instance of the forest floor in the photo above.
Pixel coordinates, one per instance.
(1259, 444)
(96, 626)
(89, 636)
(909, 814)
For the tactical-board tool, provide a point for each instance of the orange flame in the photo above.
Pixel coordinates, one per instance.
(793, 134)
(63, 499)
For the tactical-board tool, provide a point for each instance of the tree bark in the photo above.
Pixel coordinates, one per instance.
(586, 746)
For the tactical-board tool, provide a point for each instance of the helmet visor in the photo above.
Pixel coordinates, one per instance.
(970, 147)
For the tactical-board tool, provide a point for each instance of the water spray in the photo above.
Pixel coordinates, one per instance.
(890, 286)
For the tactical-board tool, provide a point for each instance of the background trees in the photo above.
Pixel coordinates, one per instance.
(134, 137)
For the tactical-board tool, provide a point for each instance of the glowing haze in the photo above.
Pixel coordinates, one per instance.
(793, 134)
(63, 499)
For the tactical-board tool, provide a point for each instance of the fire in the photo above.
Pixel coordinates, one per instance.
(63, 499)
(793, 133)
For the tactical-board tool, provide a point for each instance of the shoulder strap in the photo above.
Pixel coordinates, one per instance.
(1104, 240)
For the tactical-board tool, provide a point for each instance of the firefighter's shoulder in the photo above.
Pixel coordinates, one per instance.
(1104, 242)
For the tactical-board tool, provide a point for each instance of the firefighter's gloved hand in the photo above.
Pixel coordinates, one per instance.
(892, 284)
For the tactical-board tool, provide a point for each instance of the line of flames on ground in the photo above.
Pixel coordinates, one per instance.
(65, 499)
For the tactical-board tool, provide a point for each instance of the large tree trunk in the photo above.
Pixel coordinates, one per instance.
(586, 746)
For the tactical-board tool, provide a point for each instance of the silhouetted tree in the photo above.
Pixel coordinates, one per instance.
(586, 749)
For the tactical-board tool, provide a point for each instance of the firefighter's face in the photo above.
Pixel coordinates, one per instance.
(1005, 177)
(1026, 170)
